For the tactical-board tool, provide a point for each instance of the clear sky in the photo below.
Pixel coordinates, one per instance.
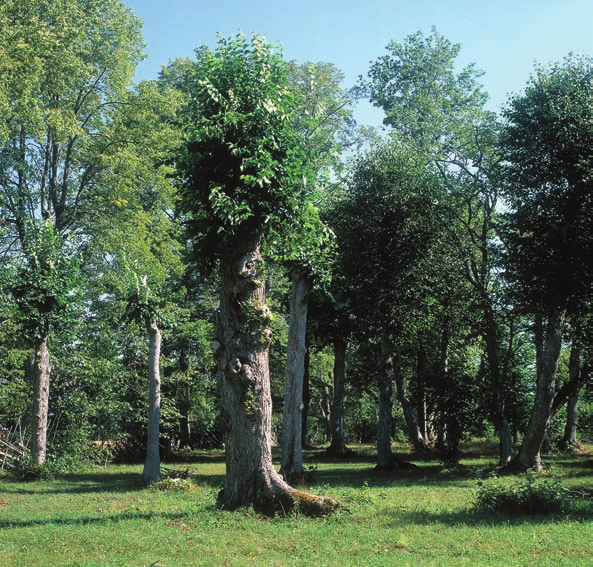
(504, 37)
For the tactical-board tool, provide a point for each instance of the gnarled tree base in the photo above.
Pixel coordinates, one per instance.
(286, 502)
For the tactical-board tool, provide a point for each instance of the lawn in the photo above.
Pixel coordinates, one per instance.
(104, 517)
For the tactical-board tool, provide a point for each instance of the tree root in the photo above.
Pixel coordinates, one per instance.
(290, 501)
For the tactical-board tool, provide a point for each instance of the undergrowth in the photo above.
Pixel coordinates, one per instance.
(530, 494)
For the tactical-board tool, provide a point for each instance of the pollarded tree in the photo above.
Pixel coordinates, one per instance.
(243, 173)
(548, 146)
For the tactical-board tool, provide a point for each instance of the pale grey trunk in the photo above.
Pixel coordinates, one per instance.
(385, 457)
(292, 422)
(40, 370)
(569, 439)
(152, 463)
(505, 436)
(572, 418)
(306, 399)
(338, 434)
(548, 345)
(414, 433)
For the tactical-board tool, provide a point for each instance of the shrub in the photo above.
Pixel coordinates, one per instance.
(533, 494)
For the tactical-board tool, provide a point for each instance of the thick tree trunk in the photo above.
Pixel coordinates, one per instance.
(548, 347)
(152, 463)
(40, 370)
(292, 419)
(241, 350)
(338, 434)
(414, 433)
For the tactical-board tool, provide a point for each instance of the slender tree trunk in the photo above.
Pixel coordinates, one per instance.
(385, 457)
(414, 433)
(548, 348)
(338, 434)
(40, 370)
(152, 463)
(569, 439)
(241, 350)
(499, 418)
(306, 398)
(292, 422)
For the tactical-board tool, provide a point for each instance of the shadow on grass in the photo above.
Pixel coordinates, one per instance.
(106, 519)
(464, 518)
(78, 483)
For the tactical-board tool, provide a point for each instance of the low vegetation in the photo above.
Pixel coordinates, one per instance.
(430, 516)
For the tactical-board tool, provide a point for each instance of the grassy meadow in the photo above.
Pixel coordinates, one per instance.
(104, 517)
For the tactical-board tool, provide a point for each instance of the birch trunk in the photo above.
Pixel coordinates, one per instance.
(152, 463)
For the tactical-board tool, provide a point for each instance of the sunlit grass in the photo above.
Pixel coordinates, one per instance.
(104, 517)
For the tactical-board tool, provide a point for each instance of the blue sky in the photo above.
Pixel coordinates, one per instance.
(504, 38)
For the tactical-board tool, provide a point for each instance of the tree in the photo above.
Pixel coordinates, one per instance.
(68, 67)
(386, 228)
(547, 143)
(323, 119)
(441, 111)
(242, 173)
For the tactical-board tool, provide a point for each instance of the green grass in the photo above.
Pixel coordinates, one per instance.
(103, 517)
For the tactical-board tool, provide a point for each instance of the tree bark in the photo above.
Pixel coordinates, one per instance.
(306, 399)
(414, 433)
(292, 419)
(40, 369)
(241, 350)
(385, 457)
(152, 463)
(548, 345)
(338, 435)
(569, 439)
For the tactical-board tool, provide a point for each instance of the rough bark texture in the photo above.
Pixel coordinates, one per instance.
(548, 352)
(40, 369)
(152, 463)
(292, 419)
(241, 350)
(338, 435)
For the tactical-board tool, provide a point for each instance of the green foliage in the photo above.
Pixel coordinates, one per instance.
(242, 167)
(532, 494)
(548, 146)
(422, 94)
(46, 284)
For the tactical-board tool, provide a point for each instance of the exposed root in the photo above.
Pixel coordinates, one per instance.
(288, 502)
(314, 506)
